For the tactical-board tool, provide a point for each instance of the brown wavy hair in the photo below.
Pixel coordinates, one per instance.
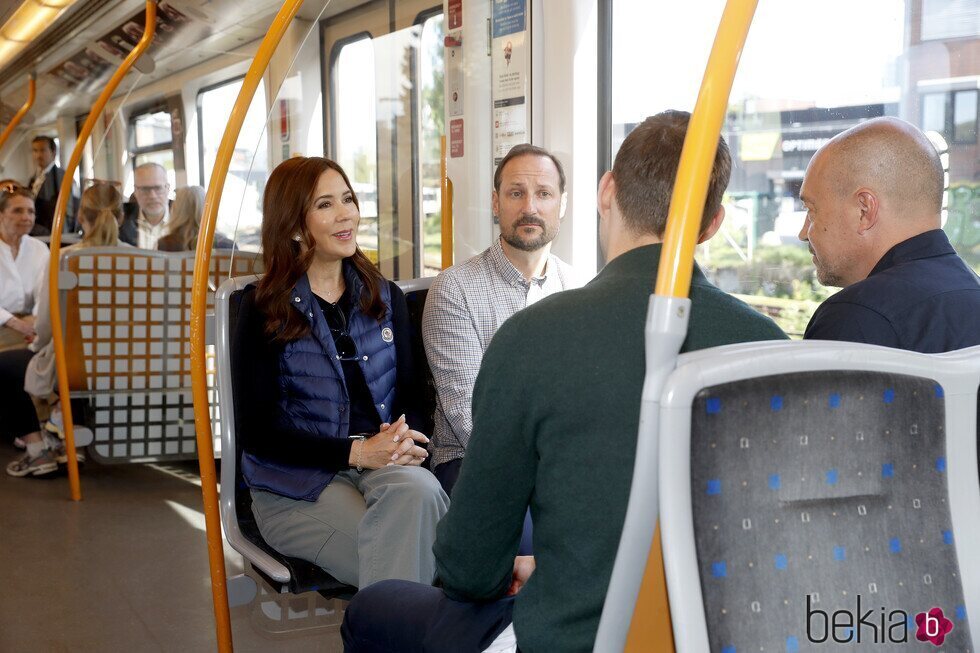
(289, 195)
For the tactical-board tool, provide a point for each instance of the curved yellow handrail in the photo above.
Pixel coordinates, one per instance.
(650, 628)
(202, 266)
(57, 225)
(691, 186)
(12, 125)
(446, 207)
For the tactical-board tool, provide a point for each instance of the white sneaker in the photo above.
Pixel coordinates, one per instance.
(43, 463)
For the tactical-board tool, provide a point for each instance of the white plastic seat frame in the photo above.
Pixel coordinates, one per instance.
(242, 588)
(957, 372)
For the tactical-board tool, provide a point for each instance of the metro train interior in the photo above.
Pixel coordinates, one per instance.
(418, 101)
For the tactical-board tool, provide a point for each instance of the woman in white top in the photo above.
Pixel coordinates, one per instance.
(23, 261)
(99, 214)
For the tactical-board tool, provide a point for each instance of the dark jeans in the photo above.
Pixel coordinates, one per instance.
(16, 407)
(448, 473)
(398, 616)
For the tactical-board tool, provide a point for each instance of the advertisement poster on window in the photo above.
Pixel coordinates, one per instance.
(510, 63)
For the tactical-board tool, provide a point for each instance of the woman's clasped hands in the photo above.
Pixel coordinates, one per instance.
(394, 444)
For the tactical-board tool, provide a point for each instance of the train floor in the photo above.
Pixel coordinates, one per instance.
(126, 570)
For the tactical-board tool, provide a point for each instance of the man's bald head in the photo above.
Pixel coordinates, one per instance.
(868, 189)
(892, 158)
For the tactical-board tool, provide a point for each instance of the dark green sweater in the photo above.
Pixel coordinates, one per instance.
(555, 418)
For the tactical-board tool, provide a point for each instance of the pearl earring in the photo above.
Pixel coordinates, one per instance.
(297, 237)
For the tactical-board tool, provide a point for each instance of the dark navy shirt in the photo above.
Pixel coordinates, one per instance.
(920, 296)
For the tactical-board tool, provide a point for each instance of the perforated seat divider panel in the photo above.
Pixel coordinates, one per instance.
(128, 336)
(827, 485)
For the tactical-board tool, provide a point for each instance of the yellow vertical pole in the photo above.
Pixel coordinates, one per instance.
(12, 125)
(446, 204)
(650, 629)
(57, 225)
(202, 266)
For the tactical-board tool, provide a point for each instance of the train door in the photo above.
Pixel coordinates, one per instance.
(383, 84)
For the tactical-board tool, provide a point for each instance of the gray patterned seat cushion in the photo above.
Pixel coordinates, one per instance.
(814, 489)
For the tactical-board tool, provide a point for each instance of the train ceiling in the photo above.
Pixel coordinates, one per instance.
(75, 56)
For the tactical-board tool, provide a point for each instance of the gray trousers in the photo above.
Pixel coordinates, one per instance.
(376, 525)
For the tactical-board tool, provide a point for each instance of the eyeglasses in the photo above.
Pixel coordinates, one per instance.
(159, 190)
(346, 348)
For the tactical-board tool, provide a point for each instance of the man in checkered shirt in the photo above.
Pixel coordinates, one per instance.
(468, 302)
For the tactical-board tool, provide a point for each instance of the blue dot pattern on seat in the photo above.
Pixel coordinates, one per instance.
(839, 477)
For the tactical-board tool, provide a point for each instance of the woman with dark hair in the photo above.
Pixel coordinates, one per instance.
(323, 358)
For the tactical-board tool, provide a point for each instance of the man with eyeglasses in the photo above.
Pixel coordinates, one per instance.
(150, 223)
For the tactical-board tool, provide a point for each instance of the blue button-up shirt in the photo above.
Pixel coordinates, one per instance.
(920, 296)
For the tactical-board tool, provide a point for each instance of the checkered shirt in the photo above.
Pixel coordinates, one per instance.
(464, 308)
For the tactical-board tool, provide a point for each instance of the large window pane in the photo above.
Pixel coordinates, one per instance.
(240, 212)
(789, 98)
(355, 136)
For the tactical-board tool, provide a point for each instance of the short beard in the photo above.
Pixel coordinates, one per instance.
(533, 245)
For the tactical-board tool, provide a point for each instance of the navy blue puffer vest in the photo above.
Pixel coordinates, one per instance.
(313, 391)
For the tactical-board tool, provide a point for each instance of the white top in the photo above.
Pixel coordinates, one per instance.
(149, 234)
(20, 279)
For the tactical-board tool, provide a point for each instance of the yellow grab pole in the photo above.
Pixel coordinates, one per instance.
(691, 186)
(12, 125)
(650, 628)
(446, 203)
(202, 266)
(57, 225)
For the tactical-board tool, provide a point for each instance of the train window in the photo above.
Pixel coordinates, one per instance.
(151, 141)
(355, 142)
(386, 136)
(790, 96)
(240, 212)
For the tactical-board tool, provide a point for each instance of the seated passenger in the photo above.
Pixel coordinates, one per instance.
(28, 378)
(323, 359)
(468, 302)
(555, 417)
(23, 260)
(147, 217)
(185, 222)
(874, 196)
